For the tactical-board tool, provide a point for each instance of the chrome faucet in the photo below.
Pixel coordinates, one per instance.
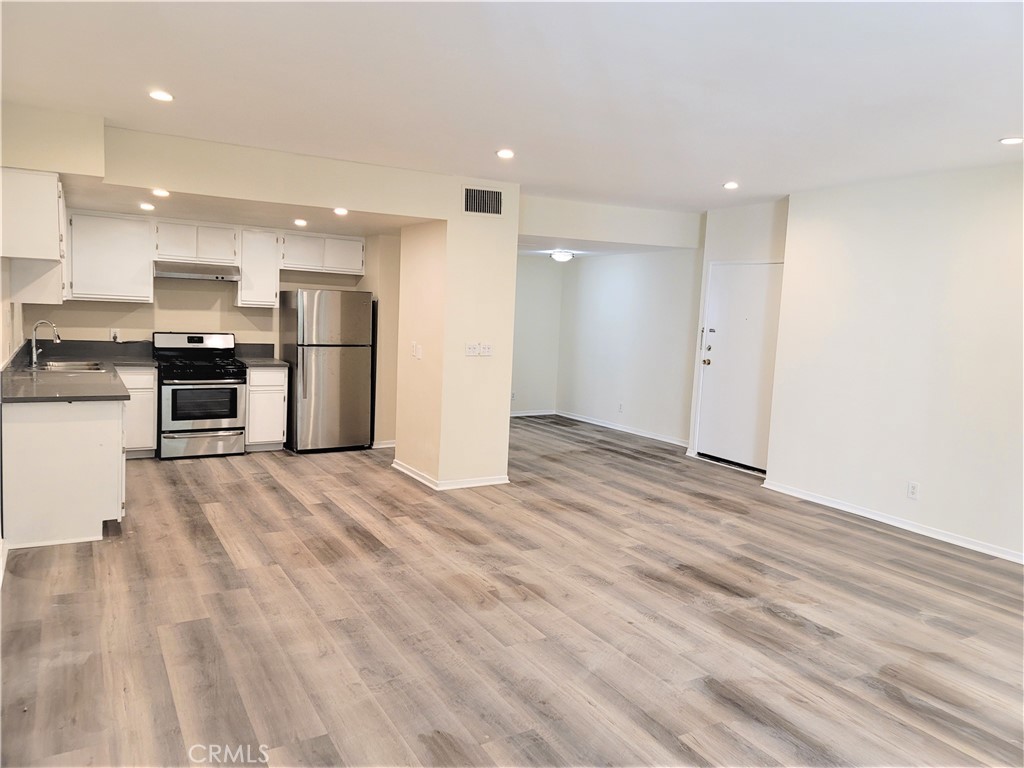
(35, 343)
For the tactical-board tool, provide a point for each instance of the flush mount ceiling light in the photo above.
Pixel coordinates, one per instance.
(560, 255)
(505, 154)
(161, 192)
(341, 211)
(1012, 140)
(300, 222)
(731, 185)
(161, 96)
(147, 206)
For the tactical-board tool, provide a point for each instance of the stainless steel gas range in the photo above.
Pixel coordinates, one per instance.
(202, 395)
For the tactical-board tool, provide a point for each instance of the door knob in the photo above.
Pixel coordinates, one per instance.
(706, 361)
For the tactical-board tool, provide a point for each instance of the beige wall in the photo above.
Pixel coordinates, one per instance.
(900, 354)
(421, 325)
(480, 287)
(577, 220)
(41, 139)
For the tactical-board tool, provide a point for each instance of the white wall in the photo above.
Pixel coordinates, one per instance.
(537, 335)
(627, 338)
(900, 354)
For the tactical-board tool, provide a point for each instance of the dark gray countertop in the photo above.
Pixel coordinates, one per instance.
(19, 384)
(263, 362)
(26, 386)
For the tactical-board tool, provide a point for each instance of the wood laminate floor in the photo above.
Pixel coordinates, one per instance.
(616, 604)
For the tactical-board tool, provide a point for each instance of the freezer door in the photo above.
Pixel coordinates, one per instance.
(334, 317)
(331, 398)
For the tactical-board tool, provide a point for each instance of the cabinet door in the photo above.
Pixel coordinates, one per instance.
(216, 245)
(31, 215)
(111, 258)
(344, 256)
(140, 410)
(175, 242)
(140, 420)
(265, 420)
(303, 252)
(261, 264)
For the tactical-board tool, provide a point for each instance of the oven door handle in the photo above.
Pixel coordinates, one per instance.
(204, 381)
(188, 435)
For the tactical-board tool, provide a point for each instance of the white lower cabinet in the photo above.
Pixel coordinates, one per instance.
(267, 408)
(63, 471)
(140, 411)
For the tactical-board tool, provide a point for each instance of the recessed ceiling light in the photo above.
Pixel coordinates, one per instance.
(161, 96)
(505, 154)
(300, 222)
(147, 206)
(560, 255)
(1011, 140)
(731, 185)
(341, 211)
(161, 192)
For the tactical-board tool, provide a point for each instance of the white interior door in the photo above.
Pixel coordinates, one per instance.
(738, 361)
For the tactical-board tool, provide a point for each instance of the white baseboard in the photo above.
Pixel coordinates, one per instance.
(899, 522)
(447, 485)
(622, 428)
(383, 443)
(3, 560)
(541, 412)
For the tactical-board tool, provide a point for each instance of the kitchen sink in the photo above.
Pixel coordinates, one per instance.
(70, 366)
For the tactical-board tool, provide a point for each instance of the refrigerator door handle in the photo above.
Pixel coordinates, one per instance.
(302, 373)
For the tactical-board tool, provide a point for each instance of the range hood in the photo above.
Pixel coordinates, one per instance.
(185, 270)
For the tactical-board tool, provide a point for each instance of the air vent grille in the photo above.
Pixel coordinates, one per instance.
(483, 201)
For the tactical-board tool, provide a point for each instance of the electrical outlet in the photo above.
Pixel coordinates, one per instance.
(485, 349)
(115, 334)
(513, 395)
(472, 350)
(913, 490)
(620, 407)
(414, 349)
(418, 352)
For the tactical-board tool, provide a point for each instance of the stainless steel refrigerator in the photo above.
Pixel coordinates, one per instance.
(327, 341)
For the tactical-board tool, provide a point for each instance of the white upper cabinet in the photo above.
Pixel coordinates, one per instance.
(316, 253)
(303, 252)
(181, 241)
(343, 256)
(261, 264)
(216, 245)
(111, 258)
(175, 242)
(31, 215)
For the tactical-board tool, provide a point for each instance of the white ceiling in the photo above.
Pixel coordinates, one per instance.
(88, 193)
(538, 245)
(643, 104)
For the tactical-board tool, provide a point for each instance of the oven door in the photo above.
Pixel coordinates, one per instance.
(201, 405)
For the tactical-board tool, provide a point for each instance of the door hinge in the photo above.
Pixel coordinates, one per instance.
(122, 505)
(60, 193)
(62, 286)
